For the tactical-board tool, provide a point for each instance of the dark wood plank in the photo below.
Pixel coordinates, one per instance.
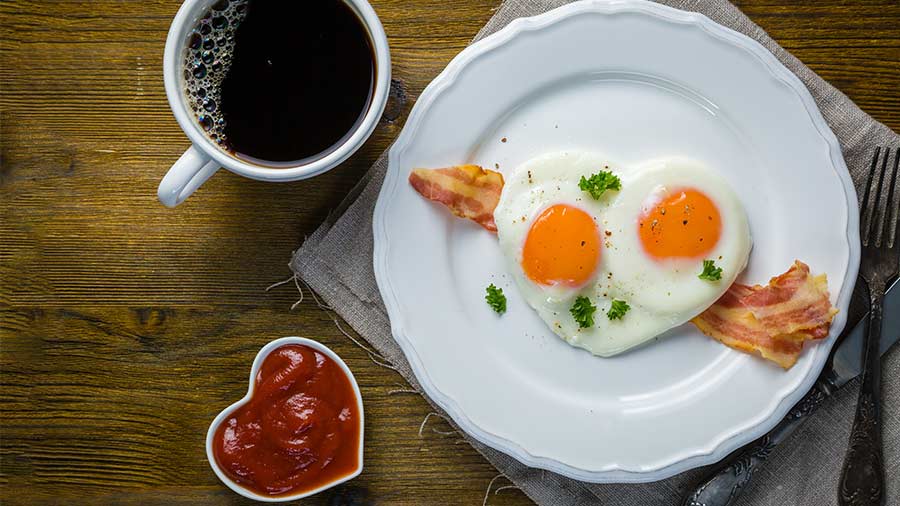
(125, 326)
(101, 399)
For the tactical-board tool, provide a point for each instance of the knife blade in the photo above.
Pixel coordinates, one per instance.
(846, 363)
(724, 486)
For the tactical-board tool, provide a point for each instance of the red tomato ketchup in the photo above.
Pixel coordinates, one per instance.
(300, 429)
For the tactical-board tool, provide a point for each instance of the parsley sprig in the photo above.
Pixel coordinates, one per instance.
(496, 299)
(617, 310)
(710, 271)
(583, 312)
(598, 183)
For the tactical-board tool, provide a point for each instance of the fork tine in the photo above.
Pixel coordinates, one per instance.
(892, 207)
(878, 218)
(866, 218)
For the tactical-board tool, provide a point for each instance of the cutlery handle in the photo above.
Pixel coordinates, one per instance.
(862, 478)
(724, 487)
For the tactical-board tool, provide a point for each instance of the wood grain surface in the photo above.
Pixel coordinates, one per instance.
(125, 326)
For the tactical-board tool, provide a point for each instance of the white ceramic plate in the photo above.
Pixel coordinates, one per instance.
(632, 80)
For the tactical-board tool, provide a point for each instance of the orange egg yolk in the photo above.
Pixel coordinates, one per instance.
(562, 247)
(684, 224)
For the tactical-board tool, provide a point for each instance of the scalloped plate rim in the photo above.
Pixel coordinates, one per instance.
(449, 75)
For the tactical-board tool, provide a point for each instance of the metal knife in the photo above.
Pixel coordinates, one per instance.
(724, 486)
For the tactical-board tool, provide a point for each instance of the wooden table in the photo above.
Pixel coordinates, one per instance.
(127, 326)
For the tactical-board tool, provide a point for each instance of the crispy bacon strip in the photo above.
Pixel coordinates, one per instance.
(469, 191)
(773, 320)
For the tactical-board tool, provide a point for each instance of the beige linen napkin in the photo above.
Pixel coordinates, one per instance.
(336, 262)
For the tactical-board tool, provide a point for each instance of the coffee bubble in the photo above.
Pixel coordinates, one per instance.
(205, 121)
(207, 58)
(199, 70)
(194, 40)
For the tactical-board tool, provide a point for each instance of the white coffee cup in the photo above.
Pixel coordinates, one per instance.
(204, 157)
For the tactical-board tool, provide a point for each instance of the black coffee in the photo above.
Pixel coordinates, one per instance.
(280, 82)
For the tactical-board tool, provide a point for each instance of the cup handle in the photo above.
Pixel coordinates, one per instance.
(185, 176)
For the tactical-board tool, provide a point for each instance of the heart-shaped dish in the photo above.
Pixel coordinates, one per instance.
(227, 412)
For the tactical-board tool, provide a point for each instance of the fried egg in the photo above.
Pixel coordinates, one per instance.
(643, 244)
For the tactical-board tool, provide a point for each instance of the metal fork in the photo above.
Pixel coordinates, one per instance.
(862, 479)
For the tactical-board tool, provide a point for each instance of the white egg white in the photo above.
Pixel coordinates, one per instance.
(661, 294)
